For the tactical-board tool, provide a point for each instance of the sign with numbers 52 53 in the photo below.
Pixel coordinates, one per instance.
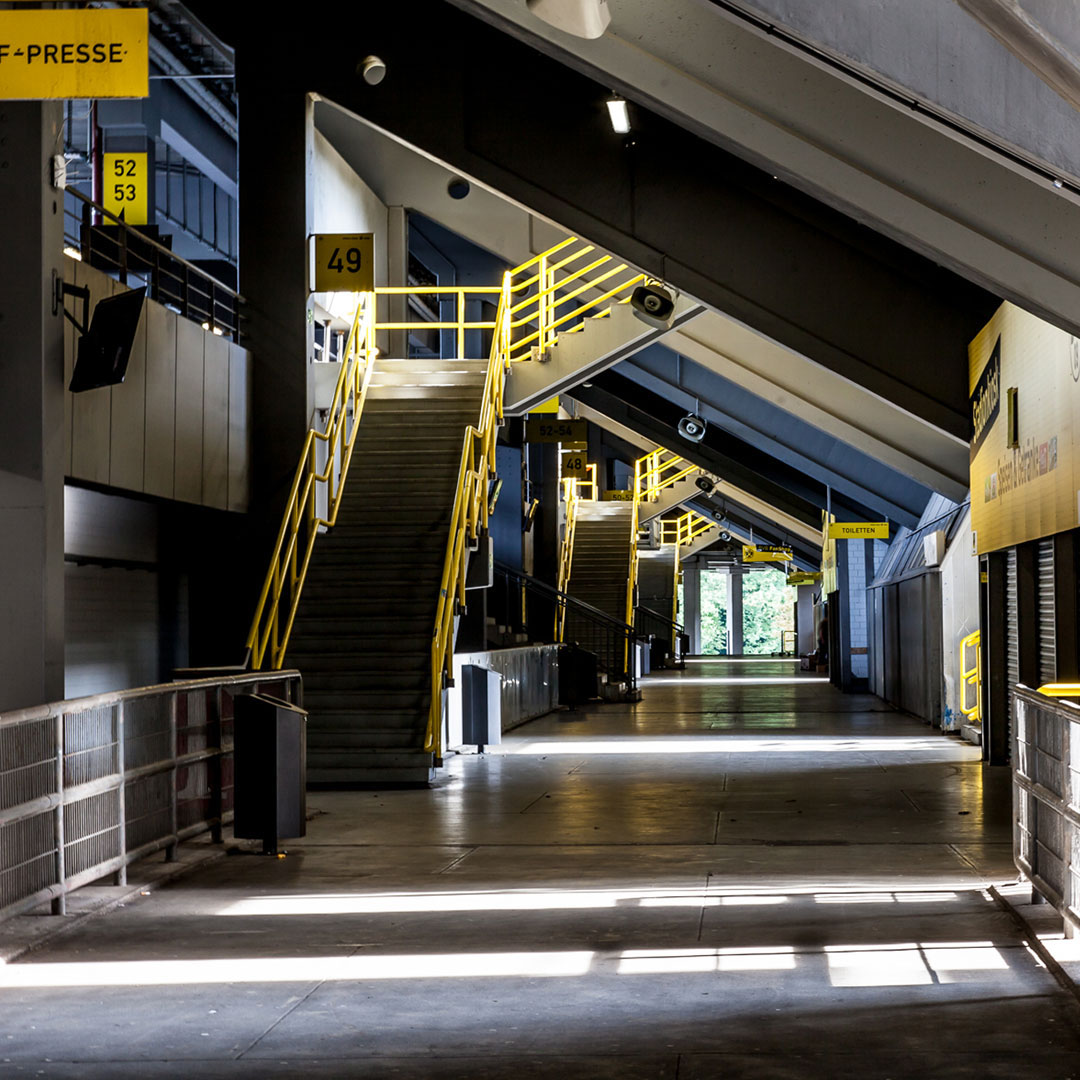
(344, 262)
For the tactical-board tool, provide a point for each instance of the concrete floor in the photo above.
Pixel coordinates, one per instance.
(745, 875)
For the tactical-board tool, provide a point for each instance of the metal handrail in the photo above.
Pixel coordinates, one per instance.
(971, 675)
(618, 631)
(302, 521)
(566, 551)
(469, 518)
(784, 635)
(173, 280)
(685, 529)
(141, 769)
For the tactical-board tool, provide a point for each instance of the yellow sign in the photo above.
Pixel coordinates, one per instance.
(573, 434)
(84, 53)
(617, 496)
(549, 406)
(1028, 490)
(859, 530)
(344, 262)
(576, 464)
(766, 554)
(803, 577)
(126, 185)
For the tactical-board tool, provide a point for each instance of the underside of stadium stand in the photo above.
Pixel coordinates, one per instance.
(540, 536)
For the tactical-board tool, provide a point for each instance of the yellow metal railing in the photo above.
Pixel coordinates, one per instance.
(785, 635)
(275, 612)
(570, 273)
(566, 551)
(548, 294)
(684, 529)
(971, 677)
(470, 515)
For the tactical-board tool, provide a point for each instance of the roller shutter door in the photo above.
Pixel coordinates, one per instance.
(1012, 641)
(1047, 634)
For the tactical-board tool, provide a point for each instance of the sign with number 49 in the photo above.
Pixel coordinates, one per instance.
(344, 262)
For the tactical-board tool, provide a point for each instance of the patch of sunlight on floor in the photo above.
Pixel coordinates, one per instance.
(690, 961)
(722, 744)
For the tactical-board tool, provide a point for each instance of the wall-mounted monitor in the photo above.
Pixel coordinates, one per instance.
(105, 349)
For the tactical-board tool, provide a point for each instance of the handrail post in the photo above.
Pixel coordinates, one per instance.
(120, 877)
(461, 324)
(59, 902)
(170, 849)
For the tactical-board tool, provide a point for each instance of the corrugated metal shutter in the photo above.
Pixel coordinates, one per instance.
(1012, 640)
(1047, 635)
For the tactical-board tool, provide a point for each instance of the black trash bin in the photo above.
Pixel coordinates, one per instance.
(270, 763)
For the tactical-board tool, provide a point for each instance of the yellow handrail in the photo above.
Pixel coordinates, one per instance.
(566, 551)
(684, 529)
(268, 637)
(971, 675)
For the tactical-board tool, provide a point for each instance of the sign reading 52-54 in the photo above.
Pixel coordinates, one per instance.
(344, 262)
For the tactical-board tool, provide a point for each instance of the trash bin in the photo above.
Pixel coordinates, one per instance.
(579, 676)
(481, 706)
(270, 769)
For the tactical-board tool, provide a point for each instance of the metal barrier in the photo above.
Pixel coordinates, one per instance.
(91, 785)
(611, 640)
(1046, 798)
(118, 248)
(650, 623)
(971, 677)
(785, 635)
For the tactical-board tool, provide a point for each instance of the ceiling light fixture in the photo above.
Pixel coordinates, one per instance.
(620, 115)
(582, 18)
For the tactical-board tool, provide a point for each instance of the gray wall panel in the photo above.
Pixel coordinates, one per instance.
(239, 426)
(187, 469)
(128, 421)
(159, 452)
(215, 446)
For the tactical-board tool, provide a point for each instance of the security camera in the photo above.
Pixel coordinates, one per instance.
(653, 305)
(705, 484)
(725, 536)
(372, 69)
(582, 18)
(692, 427)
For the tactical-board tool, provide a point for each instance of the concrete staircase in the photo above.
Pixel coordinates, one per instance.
(597, 342)
(601, 565)
(362, 637)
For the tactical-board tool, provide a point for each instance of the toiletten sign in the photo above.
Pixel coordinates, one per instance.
(1032, 489)
(74, 53)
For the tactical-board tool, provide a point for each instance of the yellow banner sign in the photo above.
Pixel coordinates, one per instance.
(126, 185)
(571, 433)
(344, 262)
(83, 53)
(1024, 483)
(766, 554)
(803, 577)
(612, 495)
(859, 530)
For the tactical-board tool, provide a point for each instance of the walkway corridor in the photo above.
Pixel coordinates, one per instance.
(745, 875)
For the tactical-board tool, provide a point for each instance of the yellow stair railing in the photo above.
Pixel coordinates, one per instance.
(549, 294)
(275, 612)
(684, 529)
(566, 552)
(971, 677)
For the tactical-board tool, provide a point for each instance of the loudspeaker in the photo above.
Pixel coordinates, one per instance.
(653, 305)
(692, 427)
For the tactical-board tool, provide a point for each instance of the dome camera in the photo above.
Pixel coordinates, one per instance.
(372, 69)
(725, 536)
(654, 305)
(692, 427)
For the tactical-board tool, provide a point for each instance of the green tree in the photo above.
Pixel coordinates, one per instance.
(713, 612)
(768, 610)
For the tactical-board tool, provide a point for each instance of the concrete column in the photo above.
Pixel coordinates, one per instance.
(32, 445)
(735, 614)
(397, 273)
(691, 612)
(276, 218)
(804, 619)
